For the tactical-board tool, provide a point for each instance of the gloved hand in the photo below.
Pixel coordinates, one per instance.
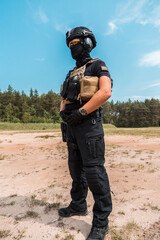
(74, 118)
(64, 115)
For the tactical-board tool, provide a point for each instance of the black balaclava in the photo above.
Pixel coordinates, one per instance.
(80, 54)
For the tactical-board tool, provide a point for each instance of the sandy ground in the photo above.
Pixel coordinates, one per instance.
(35, 182)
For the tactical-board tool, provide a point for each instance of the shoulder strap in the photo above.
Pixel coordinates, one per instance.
(92, 60)
(82, 69)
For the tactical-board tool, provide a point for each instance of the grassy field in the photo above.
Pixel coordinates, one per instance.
(109, 129)
(145, 132)
(28, 126)
(36, 126)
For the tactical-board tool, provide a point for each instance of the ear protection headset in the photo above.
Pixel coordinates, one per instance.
(88, 45)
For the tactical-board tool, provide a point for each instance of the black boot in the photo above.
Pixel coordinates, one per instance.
(68, 212)
(97, 233)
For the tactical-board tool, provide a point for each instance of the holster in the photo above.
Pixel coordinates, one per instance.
(64, 131)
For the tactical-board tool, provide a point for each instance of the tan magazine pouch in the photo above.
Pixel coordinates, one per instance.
(88, 87)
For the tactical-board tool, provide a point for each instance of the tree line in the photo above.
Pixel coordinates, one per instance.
(133, 114)
(19, 107)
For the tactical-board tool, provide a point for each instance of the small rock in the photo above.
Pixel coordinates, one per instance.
(8, 214)
(20, 216)
(54, 220)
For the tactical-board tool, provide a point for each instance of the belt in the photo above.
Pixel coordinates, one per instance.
(96, 114)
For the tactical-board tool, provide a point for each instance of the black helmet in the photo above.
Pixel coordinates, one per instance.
(80, 32)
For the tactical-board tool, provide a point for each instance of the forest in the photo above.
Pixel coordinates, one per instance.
(19, 107)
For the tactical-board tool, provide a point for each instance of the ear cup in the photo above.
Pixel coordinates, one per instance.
(88, 43)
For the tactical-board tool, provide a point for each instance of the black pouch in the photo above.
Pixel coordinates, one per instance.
(73, 90)
(64, 131)
(65, 87)
(95, 145)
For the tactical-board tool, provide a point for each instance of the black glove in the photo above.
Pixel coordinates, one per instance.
(64, 115)
(74, 118)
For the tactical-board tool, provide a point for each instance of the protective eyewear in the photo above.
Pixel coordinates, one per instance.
(74, 42)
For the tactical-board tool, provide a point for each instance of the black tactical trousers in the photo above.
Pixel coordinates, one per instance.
(86, 151)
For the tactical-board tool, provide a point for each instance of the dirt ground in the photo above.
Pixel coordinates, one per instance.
(35, 182)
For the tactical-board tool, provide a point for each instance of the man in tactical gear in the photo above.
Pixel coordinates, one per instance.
(85, 89)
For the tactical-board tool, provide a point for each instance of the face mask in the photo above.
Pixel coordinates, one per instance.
(76, 51)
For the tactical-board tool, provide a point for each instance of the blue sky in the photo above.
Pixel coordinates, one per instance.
(33, 52)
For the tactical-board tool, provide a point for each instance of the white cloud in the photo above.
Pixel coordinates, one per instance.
(157, 84)
(150, 59)
(143, 22)
(40, 16)
(112, 28)
(136, 11)
(156, 97)
(154, 85)
(131, 11)
(138, 98)
(142, 98)
(40, 59)
(43, 17)
(155, 17)
(61, 28)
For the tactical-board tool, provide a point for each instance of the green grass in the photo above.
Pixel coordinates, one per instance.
(36, 126)
(7, 204)
(46, 136)
(51, 206)
(110, 126)
(145, 132)
(125, 232)
(69, 237)
(31, 214)
(109, 129)
(29, 126)
(2, 157)
(4, 233)
(20, 234)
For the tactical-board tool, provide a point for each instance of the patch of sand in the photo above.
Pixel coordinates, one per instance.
(35, 182)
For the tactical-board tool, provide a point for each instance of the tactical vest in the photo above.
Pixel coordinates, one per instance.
(79, 87)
